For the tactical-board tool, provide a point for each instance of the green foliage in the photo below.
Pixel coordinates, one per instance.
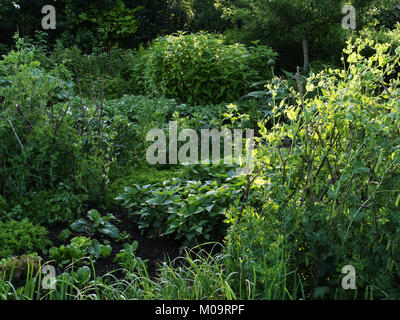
(195, 276)
(76, 250)
(130, 118)
(124, 176)
(383, 36)
(81, 276)
(103, 24)
(15, 267)
(191, 209)
(110, 26)
(206, 17)
(3, 205)
(284, 24)
(21, 237)
(33, 122)
(79, 248)
(255, 249)
(96, 224)
(388, 17)
(127, 259)
(260, 104)
(23, 16)
(332, 175)
(326, 191)
(91, 70)
(200, 68)
(128, 23)
(49, 206)
(50, 135)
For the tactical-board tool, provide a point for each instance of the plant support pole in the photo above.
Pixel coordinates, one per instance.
(15, 133)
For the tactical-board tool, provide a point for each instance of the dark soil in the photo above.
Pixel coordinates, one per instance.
(154, 250)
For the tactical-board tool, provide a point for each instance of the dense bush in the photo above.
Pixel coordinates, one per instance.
(21, 237)
(49, 135)
(384, 36)
(200, 68)
(388, 17)
(299, 30)
(129, 119)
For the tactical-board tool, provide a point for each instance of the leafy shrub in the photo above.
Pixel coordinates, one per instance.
(50, 136)
(128, 120)
(382, 35)
(200, 68)
(110, 26)
(388, 17)
(21, 237)
(34, 124)
(123, 176)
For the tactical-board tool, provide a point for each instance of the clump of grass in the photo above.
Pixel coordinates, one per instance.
(199, 274)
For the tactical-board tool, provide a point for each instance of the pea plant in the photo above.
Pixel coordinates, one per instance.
(332, 170)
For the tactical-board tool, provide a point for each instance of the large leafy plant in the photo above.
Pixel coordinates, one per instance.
(48, 207)
(34, 117)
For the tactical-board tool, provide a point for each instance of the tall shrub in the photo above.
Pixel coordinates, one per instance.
(200, 68)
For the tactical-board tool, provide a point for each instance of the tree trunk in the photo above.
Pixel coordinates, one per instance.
(306, 54)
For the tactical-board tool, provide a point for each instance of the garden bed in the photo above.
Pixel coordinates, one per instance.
(155, 250)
